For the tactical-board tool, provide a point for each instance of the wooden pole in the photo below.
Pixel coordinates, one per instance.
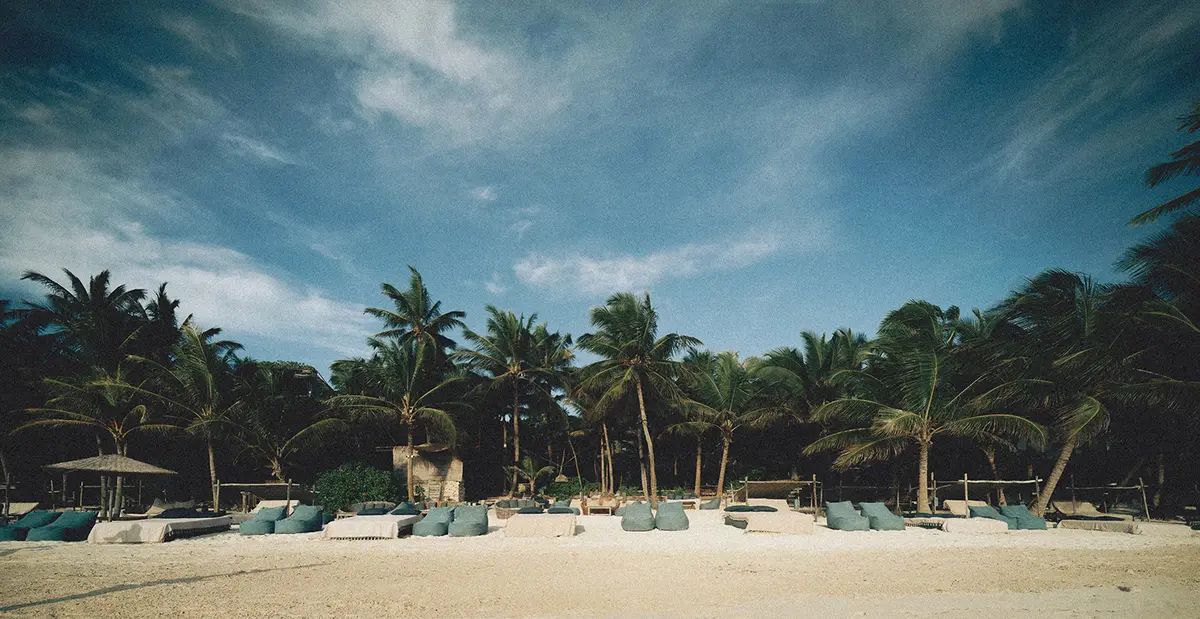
(287, 505)
(217, 496)
(1074, 502)
(1145, 504)
(966, 496)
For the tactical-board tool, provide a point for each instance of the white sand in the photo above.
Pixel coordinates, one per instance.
(708, 570)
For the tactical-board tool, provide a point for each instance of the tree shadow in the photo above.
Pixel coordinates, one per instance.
(9, 551)
(148, 583)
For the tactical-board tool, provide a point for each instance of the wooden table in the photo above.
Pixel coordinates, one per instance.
(598, 509)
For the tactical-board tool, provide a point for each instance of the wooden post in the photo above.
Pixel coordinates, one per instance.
(932, 492)
(814, 493)
(966, 496)
(287, 505)
(1074, 503)
(217, 497)
(1145, 504)
(79, 501)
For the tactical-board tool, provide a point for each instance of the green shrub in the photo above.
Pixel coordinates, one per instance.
(354, 482)
(561, 490)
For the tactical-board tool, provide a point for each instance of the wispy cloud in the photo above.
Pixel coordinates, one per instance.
(578, 274)
(494, 285)
(202, 38)
(485, 193)
(250, 147)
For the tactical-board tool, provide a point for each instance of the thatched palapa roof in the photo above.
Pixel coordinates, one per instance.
(110, 463)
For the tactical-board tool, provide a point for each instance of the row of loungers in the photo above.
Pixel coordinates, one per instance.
(460, 521)
(44, 526)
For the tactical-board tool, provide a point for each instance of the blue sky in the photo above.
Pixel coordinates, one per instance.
(761, 168)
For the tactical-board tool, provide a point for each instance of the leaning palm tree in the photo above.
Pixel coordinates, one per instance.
(530, 472)
(417, 317)
(281, 416)
(1186, 162)
(912, 393)
(634, 359)
(199, 386)
(395, 386)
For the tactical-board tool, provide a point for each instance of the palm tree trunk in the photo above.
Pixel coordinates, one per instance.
(642, 465)
(923, 482)
(516, 434)
(612, 488)
(724, 461)
(601, 471)
(699, 447)
(409, 472)
(1162, 479)
(119, 502)
(8, 482)
(575, 456)
(990, 453)
(277, 469)
(649, 446)
(1055, 474)
(212, 474)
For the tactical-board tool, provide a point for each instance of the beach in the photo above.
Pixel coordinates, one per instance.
(709, 570)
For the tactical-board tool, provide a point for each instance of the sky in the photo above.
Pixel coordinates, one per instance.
(760, 168)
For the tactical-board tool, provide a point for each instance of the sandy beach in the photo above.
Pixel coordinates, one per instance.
(709, 570)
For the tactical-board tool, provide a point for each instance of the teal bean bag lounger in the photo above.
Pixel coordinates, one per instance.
(69, 527)
(715, 503)
(263, 522)
(435, 524)
(304, 519)
(406, 509)
(670, 517)
(842, 516)
(469, 521)
(18, 530)
(1025, 519)
(563, 507)
(881, 518)
(637, 517)
(987, 511)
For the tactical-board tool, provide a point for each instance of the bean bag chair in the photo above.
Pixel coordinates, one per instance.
(406, 509)
(715, 503)
(18, 530)
(841, 516)
(531, 510)
(469, 521)
(563, 507)
(670, 517)
(621, 510)
(1025, 519)
(881, 518)
(263, 522)
(373, 511)
(435, 524)
(522, 503)
(304, 519)
(987, 511)
(638, 517)
(762, 508)
(69, 527)
(738, 508)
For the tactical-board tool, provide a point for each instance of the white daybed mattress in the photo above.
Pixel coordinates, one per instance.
(385, 526)
(153, 530)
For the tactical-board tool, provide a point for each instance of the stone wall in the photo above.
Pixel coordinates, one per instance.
(439, 473)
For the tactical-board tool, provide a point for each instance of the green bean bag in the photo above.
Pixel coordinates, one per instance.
(263, 522)
(762, 508)
(715, 503)
(18, 530)
(987, 511)
(621, 510)
(435, 524)
(563, 507)
(1025, 519)
(531, 510)
(738, 508)
(69, 527)
(405, 509)
(638, 517)
(841, 516)
(881, 518)
(304, 519)
(670, 517)
(469, 521)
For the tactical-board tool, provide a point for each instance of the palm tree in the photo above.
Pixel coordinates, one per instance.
(808, 378)
(281, 416)
(911, 393)
(634, 359)
(1081, 336)
(92, 322)
(529, 471)
(199, 386)
(417, 317)
(517, 355)
(394, 385)
(1185, 161)
(725, 396)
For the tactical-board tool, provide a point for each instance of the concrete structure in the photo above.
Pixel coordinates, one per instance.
(440, 473)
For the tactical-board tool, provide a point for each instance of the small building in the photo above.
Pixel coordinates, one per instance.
(440, 473)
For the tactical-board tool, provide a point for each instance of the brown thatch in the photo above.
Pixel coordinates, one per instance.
(110, 463)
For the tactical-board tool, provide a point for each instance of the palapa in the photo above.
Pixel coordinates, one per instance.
(110, 463)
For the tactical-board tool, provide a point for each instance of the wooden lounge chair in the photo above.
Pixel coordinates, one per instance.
(1084, 510)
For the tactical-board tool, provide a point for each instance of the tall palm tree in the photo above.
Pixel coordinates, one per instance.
(1185, 162)
(726, 396)
(281, 416)
(417, 317)
(1081, 337)
(913, 392)
(808, 378)
(516, 355)
(395, 386)
(530, 471)
(199, 386)
(93, 322)
(634, 359)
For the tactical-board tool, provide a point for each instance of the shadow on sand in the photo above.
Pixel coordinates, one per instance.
(148, 583)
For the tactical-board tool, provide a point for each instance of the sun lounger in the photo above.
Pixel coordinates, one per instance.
(1107, 526)
(386, 526)
(16, 510)
(469, 521)
(69, 527)
(19, 530)
(1084, 510)
(304, 519)
(973, 525)
(670, 517)
(637, 517)
(881, 518)
(540, 525)
(154, 530)
(842, 516)
(784, 522)
(958, 507)
(263, 522)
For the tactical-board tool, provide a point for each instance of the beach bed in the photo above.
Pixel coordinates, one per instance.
(385, 526)
(155, 530)
(1108, 526)
(783, 522)
(958, 525)
(540, 525)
